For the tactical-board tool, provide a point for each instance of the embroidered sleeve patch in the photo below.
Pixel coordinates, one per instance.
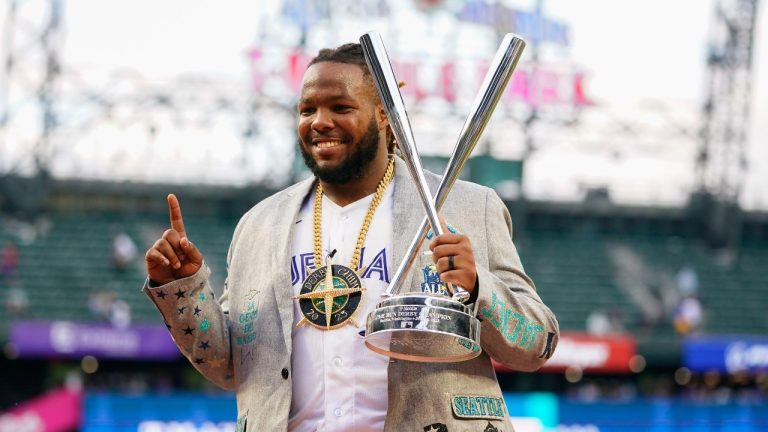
(514, 326)
(466, 406)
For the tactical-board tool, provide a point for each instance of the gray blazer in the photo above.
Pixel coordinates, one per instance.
(242, 341)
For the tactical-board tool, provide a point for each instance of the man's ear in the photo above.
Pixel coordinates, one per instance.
(381, 117)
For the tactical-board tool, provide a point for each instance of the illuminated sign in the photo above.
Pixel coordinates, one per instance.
(76, 339)
(532, 25)
(540, 86)
(167, 412)
(57, 410)
(605, 354)
(306, 13)
(726, 353)
(184, 426)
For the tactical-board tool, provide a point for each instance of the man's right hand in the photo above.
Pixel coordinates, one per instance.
(173, 256)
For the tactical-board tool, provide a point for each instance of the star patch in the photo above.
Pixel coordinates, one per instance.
(436, 427)
(180, 294)
(197, 311)
(189, 330)
(161, 294)
(204, 345)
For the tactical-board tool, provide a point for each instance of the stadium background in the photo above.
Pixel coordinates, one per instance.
(630, 215)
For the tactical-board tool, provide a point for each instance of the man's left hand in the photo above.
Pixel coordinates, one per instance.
(463, 273)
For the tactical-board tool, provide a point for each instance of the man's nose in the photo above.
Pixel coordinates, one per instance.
(323, 120)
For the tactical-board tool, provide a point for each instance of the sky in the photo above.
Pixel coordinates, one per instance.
(653, 52)
(644, 62)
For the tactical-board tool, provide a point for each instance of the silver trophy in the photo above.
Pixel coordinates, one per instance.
(421, 326)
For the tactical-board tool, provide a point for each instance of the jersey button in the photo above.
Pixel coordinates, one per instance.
(338, 412)
(337, 361)
(284, 373)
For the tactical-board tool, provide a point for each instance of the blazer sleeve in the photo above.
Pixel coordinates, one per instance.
(199, 324)
(518, 329)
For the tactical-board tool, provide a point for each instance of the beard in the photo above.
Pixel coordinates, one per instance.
(351, 168)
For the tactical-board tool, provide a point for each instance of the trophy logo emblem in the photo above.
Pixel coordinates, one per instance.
(432, 283)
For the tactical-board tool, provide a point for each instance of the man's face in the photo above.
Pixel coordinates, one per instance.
(338, 131)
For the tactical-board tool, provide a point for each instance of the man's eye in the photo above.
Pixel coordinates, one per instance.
(342, 108)
(306, 111)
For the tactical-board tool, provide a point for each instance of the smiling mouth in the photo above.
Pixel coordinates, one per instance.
(327, 144)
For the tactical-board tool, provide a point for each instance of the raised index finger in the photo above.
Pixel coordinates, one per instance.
(177, 223)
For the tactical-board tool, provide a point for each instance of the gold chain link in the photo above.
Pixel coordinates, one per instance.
(317, 218)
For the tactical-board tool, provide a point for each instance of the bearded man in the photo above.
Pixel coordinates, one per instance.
(294, 371)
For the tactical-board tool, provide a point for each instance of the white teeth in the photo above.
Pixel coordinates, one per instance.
(327, 144)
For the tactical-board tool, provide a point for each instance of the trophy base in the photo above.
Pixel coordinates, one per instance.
(423, 328)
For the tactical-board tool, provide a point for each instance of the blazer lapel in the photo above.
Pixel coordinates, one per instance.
(408, 213)
(286, 213)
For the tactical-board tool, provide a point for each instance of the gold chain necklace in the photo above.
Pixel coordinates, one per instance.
(317, 218)
(331, 294)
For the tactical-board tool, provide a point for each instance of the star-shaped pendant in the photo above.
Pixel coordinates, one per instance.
(345, 282)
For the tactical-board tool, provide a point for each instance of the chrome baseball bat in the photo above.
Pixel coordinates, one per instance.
(495, 82)
(389, 92)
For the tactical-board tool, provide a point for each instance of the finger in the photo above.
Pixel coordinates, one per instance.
(174, 239)
(447, 238)
(444, 264)
(445, 250)
(452, 277)
(154, 258)
(167, 251)
(177, 222)
(459, 278)
(191, 251)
